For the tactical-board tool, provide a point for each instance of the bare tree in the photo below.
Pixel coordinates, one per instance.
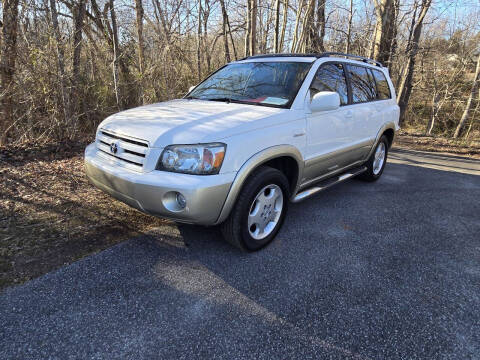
(140, 46)
(315, 22)
(253, 28)
(199, 41)
(78, 16)
(7, 65)
(284, 24)
(384, 11)
(405, 87)
(468, 107)
(248, 30)
(276, 34)
(349, 29)
(225, 26)
(63, 95)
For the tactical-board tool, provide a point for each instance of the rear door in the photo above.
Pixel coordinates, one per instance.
(329, 133)
(385, 105)
(366, 114)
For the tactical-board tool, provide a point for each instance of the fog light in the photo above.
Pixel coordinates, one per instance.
(181, 201)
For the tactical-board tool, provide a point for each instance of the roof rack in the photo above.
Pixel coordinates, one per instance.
(325, 54)
(353, 57)
(260, 56)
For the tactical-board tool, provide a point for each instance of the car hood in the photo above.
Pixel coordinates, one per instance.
(188, 121)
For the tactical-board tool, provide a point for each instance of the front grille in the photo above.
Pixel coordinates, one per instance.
(131, 151)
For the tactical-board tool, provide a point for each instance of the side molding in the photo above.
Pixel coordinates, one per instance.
(251, 164)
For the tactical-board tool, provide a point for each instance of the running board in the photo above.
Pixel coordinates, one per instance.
(327, 183)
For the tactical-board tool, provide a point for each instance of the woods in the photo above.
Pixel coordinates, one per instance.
(67, 64)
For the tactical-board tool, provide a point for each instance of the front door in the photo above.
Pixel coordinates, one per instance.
(330, 133)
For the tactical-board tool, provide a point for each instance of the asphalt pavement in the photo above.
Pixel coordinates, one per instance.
(389, 270)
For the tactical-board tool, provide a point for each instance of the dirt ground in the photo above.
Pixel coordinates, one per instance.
(50, 215)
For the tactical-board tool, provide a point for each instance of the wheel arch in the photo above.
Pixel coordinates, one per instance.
(280, 157)
(389, 130)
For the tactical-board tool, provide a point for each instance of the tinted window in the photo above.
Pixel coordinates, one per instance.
(331, 77)
(373, 85)
(257, 83)
(362, 89)
(383, 90)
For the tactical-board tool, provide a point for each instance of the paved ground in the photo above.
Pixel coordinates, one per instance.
(389, 270)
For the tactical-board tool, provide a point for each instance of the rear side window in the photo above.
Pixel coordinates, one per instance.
(331, 77)
(362, 88)
(383, 90)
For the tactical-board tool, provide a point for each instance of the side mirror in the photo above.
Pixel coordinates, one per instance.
(191, 88)
(325, 101)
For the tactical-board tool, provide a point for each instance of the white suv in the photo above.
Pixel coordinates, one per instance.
(254, 135)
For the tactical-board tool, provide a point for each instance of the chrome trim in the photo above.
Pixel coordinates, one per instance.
(330, 174)
(315, 189)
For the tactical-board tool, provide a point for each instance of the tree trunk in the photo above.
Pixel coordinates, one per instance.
(320, 47)
(284, 24)
(405, 88)
(349, 29)
(115, 55)
(276, 35)
(249, 28)
(225, 32)
(64, 103)
(8, 55)
(384, 12)
(140, 45)
(78, 16)
(231, 39)
(199, 42)
(253, 28)
(297, 23)
(468, 107)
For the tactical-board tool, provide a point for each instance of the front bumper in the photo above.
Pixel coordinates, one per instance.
(151, 192)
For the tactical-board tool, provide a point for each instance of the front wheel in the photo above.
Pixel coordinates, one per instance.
(377, 161)
(259, 210)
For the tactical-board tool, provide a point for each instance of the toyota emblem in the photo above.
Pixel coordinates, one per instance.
(113, 148)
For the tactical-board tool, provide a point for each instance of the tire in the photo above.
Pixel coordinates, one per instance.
(251, 226)
(374, 170)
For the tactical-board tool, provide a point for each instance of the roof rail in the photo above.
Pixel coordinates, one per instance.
(350, 56)
(320, 55)
(260, 56)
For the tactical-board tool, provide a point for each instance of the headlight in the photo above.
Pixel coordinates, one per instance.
(199, 159)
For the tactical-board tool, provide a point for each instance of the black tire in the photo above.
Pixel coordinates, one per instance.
(235, 228)
(370, 175)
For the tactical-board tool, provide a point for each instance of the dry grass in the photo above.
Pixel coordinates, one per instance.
(412, 139)
(50, 215)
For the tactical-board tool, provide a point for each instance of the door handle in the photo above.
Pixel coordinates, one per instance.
(299, 133)
(349, 114)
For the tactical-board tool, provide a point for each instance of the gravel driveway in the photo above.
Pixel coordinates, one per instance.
(389, 270)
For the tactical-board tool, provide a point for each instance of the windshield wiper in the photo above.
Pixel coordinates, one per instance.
(223, 99)
(191, 98)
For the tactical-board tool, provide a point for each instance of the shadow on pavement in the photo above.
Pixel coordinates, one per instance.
(363, 271)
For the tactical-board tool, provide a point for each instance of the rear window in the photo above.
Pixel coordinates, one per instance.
(362, 88)
(383, 90)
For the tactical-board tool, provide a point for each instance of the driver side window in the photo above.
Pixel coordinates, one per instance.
(330, 77)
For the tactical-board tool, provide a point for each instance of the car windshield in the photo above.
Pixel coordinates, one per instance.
(257, 83)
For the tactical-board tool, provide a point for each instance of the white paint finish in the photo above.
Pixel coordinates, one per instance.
(189, 121)
(329, 132)
(247, 130)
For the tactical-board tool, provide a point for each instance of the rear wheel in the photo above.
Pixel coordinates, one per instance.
(259, 211)
(377, 161)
